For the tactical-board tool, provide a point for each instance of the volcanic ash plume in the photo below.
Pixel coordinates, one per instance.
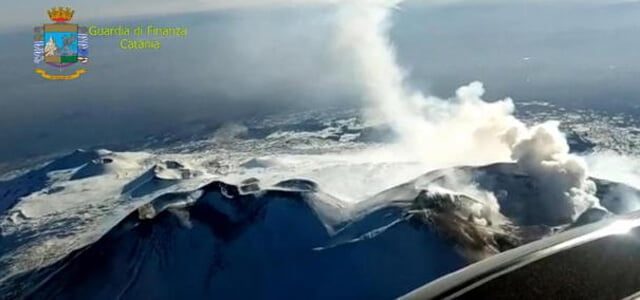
(543, 153)
(462, 130)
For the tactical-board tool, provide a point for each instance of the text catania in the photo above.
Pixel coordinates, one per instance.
(128, 44)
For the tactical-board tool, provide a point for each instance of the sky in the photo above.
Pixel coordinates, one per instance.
(25, 12)
(248, 57)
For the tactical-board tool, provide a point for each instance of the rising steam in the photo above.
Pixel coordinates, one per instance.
(462, 130)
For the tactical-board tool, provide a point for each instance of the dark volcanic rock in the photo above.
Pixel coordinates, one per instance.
(269, 245)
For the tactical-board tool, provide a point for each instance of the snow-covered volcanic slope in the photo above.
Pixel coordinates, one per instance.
(335, 206)
(163, 225)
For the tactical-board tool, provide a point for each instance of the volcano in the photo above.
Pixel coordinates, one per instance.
(177, 233)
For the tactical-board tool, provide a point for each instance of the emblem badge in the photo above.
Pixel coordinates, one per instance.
(61, 46)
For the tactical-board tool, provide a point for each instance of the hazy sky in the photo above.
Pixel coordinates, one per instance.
(246, 57)
(27, 12)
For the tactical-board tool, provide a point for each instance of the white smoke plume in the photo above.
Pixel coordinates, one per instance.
(464, 130)
(230, 131)
(543, 153)
(426, 126)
